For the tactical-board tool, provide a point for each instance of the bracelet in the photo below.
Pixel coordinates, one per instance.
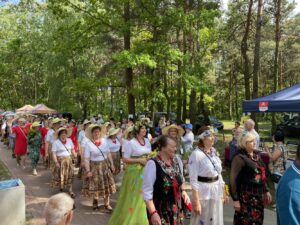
(154, 212)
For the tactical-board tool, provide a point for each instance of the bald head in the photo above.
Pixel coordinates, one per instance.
(249, 125)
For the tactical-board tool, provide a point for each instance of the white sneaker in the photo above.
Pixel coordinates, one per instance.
(34, 172)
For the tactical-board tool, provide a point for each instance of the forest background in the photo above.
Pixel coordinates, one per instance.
(190, 57)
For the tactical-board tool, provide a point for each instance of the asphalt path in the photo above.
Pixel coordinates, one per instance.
(38, 190)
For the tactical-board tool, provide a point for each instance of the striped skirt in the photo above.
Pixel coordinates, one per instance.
(116, 161)
(62, 176)
(101, 184)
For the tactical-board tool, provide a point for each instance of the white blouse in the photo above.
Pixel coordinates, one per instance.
(134, 148)
(50, 136)
(150, 178)
(62, 150)
(113, 147)
(200, 165)
(92, 152)
(81, 136)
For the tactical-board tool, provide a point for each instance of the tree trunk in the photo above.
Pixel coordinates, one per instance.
(128, 71)
(277, 42)
(184, 102)
(179, 83)
(256, 61)
(193, 106)
(244, 50)
(165, 91)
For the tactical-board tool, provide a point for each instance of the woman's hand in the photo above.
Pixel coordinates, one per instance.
(155, 219)
(197, 208)
(143, 162)
(112, 167)
(57, 165)
(237, 206)
(226, 199)
(267, 198)
(186, 198)
(89, 174)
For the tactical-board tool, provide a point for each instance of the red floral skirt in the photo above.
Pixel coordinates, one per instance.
(252, 207)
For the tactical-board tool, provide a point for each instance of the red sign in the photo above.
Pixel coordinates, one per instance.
(263, 106)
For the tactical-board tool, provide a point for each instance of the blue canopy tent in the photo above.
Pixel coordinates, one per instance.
(286, 100)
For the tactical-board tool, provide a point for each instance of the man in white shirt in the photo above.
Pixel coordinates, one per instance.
(249, 126)
(188, 138)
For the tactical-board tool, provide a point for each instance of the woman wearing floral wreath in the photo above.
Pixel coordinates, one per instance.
(208, 187)
(162, 188)
(248, 184)
(131, 208)
(99, 166)
(62, 153)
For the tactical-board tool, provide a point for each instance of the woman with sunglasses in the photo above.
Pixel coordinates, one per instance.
(208, 187)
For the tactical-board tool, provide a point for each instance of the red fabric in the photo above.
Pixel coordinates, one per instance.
(74, 138)
(98, 143)
(21, 140)
(227, 153)
(43, 131)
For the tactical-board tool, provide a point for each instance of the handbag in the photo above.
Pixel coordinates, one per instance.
(275, 177)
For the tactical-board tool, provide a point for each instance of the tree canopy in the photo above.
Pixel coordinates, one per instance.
(184, 56)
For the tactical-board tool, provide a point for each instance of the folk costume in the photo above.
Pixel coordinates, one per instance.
(62, 176)
(205, 177)
(101, 184)
(114, 148)
(34, 143)
(162, 183)
(131, 208)
(248, 186)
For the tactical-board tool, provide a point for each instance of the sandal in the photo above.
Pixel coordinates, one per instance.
(95, 204)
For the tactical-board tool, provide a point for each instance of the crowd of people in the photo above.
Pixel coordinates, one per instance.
(157, 163)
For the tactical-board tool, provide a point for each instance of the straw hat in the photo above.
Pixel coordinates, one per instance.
(88, 131)
(35, 124)
(145, 120)
(85, 122)
(56, 120)
(127, 131)
(22, 120)
(112, 131)
(165, 130)
(60, 130)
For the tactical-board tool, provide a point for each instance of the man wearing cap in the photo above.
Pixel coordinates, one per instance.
(188, 137)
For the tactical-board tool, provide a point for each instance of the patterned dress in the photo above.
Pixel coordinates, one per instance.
(34, 144)
(248, 186)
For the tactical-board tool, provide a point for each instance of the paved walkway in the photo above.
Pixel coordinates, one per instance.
(38, 191)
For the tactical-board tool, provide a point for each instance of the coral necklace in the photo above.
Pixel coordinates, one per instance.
(97, 142)
(142, 144)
